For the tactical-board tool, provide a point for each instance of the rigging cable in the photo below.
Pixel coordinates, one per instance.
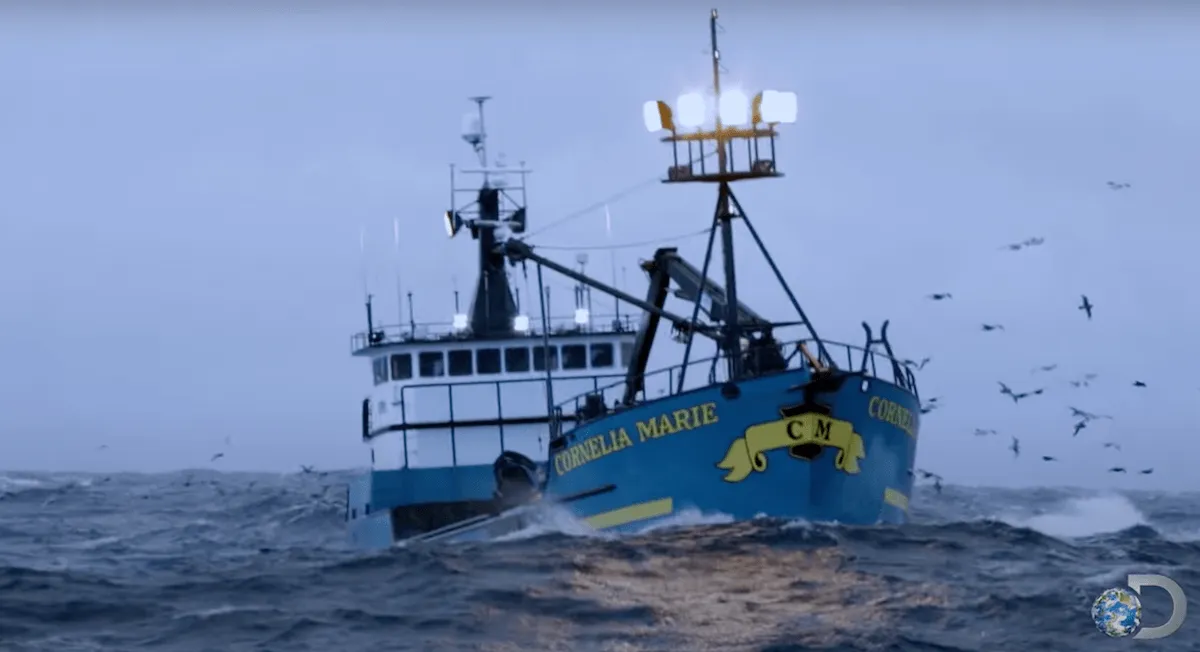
(628, 245)
(612, 199)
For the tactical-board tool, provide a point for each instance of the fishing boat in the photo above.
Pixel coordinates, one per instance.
(768, 425)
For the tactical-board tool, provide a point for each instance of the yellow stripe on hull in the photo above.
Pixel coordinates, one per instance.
(895, 499)
(632, 513)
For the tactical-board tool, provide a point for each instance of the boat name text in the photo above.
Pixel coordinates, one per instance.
(601, 445)
(893, 413)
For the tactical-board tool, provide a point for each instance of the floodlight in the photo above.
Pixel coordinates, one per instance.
(691, 110)
(733, 107)
(521, 323)
(460, 322)
(657, 116)
(777, 107)
(453, 223)
(582, 317)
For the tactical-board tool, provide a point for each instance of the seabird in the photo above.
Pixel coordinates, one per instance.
(1146, 471)
(1004, 389)
(1049, 367)
(1017, 397)
(1033, 242)
(1015, 447)
(939, 296)
(216, 457)
(993, 327)
(984, 432)
(1112, 445)
(1138, 383)
(1086, 306)
(1079, 426)
(1047, 458)
(1118, 185)
(1117, 469)
(306, 469)
(1085, 415)
(918, 365)
(1016, 246)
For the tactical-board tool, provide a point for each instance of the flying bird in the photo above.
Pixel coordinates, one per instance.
(1112, 445)
(306, 469)
(1047, 458)
(1018, 397)
(1117, 469)
(919, 365)
(937, 479)
(1079, 426)
(216, 457)
(939, 296)
(993, 327)
(926, 409)
(1015, 447)
(1086, 306)
(1118, 185)
(1004, 389)
(1085, 415)
(1138, 383)
(984, 432)
(1146, 471)
(1016, 246)
(1033, 242)
(1049, 367)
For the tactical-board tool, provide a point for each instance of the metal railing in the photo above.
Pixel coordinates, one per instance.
(868, 363)
(445, 332)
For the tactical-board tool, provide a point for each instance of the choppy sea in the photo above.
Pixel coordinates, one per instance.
(209, 561)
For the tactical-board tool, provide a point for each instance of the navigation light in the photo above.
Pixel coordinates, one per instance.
(521, 323)
(582, 317)
(460, 322)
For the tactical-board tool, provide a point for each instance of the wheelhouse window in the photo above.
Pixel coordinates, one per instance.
(460, 362)
(602, 355)
(380, 367)
(432, 364)
(401, 366)
(545, 357)
(516, 359)
(487, 361)
(574, 356)
(626, 353)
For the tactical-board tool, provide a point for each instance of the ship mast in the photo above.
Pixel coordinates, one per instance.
(736, 120)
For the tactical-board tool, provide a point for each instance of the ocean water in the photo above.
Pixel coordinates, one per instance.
(237, 562)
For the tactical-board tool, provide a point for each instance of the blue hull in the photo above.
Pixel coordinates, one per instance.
(742, 457)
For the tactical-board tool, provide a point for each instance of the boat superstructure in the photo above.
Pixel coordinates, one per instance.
(448, 399)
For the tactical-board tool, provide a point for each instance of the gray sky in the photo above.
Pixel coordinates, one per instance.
(183, 191)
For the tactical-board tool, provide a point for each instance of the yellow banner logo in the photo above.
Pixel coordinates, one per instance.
(749, 452)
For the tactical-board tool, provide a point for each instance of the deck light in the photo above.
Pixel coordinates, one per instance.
(460, 322)
(521, 323)
(453, 223)
(733, 107)
(657, 116)
(582, 317)
(691, 110)
(777, 107)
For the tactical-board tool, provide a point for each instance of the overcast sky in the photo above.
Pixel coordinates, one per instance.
(182, 194)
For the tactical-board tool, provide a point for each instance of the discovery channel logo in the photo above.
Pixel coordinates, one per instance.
(1118, 612)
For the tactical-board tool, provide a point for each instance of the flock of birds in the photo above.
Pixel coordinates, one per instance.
(1082, 417)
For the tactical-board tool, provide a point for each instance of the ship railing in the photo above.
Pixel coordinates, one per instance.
(384, 335)
(456, 406)
(710, 371)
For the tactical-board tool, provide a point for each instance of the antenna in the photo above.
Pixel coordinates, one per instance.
(613, 259)
(399, 286)
(362, 254)
(475, 133)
